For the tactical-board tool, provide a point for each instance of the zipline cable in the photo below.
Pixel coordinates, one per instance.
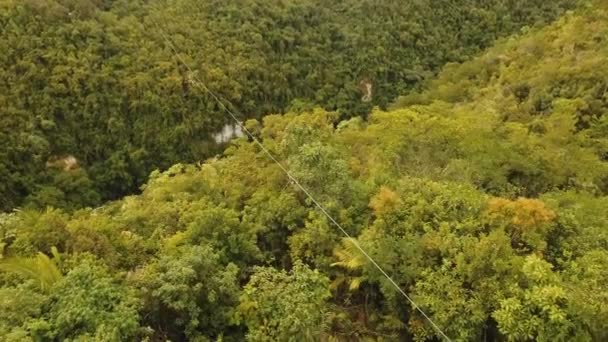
(293, 179)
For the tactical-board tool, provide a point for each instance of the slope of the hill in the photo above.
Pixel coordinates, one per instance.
(493, 217)
(92, 87)
(548, 87)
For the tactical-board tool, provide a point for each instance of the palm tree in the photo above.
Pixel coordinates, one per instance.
(39, 268)
(351, 259)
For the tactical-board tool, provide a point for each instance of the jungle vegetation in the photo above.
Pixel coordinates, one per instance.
(482, 190)
(96, 81)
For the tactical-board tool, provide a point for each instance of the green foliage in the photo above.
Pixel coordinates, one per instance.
(188, 294)
(526, 79)
(70, 190)
(95, 80)
(18, 307)
(89, 303)
(276, 305)
(44, 271)
(222, 229)
(33, 231)
(484, 195)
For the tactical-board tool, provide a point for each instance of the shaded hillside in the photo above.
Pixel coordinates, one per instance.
(548, 87)
(96, 81)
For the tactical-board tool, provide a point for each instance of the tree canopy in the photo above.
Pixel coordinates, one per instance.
(483, 193)
(93, 98)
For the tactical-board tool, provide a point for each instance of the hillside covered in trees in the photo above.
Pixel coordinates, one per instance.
(483, 191)
(95, 82)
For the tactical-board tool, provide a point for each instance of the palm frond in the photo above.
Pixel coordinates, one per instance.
(39, 268)
(349, 256)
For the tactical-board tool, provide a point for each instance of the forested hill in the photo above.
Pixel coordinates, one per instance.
(91, 87)
(484, 196)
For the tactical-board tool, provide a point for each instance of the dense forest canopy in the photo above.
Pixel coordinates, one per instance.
(94, 82)
(482, 191)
